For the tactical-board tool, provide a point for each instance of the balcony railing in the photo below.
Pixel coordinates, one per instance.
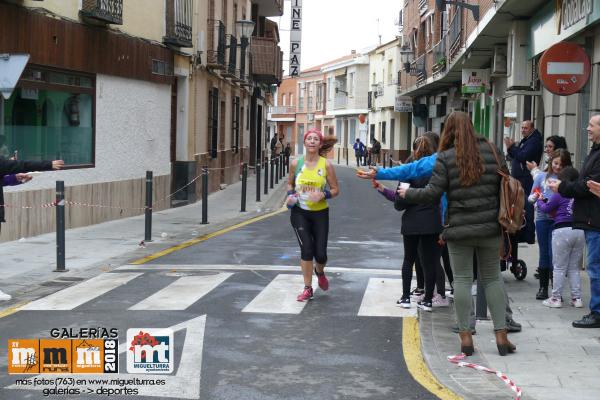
(105, 11)
(282, 110)
(267, 60)
(340, 101)
(215, 49)
(179, 23)
(230, 71)
(417, 69)
(439, 57)
(454, 32)
(423, 6)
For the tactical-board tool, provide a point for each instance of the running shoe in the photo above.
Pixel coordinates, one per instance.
(439, 301)
(577, 303)
(4, 296)
(307, 294)
(417, 294)
(553, 302)
(404, 302)
(322, 279)
(425, 305)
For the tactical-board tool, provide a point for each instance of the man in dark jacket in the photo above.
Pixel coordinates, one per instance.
(530, 148)
(586, 216)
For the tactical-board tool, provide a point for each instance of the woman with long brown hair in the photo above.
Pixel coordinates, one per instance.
(466, 170)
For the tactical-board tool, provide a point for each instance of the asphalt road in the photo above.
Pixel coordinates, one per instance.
(240, 339)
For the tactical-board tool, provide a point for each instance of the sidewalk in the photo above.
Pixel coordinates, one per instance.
(554, 361)
(28, 263)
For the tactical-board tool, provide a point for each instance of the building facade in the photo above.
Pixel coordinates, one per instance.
(118, 88)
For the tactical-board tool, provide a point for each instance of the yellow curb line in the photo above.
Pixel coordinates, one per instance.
(11, 310)
(205, 237)
(411, 346)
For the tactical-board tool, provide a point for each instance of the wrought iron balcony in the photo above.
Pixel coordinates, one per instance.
(179, 23)
(439, 57)
(104, 11)
(267, 60)
(454, 33)
(230, 71)
(282, 110)
(417, 69)
(215, 50)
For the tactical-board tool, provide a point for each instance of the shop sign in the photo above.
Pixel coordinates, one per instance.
(475, 81)
(295, 37)
(403, 104)
(573, 11)
(564, 68)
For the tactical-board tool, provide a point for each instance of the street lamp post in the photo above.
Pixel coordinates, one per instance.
(245, 29)
(406, 56)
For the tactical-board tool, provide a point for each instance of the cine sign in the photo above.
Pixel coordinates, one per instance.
(295, 37)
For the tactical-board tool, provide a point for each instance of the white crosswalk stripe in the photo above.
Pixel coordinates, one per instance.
(277, 297)
(182, 293)
(380, 299)
(74, 296)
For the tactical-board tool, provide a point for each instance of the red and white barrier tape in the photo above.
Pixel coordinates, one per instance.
(47, 205)
(457, 360)
(77, 203)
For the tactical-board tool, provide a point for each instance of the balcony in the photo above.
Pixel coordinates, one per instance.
(269, 8)
(439, 57)
(340, 101)
(282, 110)
(423, 6)
(179, 23)
(230, 71)
(454, 33)
(102, 11)
(215, 49)
(417, 68)
(267, 60)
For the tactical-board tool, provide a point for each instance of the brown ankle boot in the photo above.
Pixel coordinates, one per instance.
(466, 342)
(503, 344)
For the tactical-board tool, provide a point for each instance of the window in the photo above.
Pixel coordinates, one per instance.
(283, 100)
(213, 121)
(235, 125)
(291, 99)
(390, 71)
(319, 89)
(301, 97)
(309, 89)
(49, 116)
(351, 84)
(372, 133)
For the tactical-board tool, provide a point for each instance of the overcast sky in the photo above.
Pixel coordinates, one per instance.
(332, 28)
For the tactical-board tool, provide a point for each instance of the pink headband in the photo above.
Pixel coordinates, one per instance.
(313, 130)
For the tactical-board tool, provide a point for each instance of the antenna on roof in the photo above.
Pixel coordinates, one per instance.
(378, 33)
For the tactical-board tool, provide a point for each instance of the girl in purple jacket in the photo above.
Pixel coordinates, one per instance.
(567, 243)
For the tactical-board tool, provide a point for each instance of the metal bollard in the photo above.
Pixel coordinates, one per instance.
(282, 169)
(338, 155)
(244, 183)
(276, 160)
(258, 172)
(60, 227)
(148, 210)
(271, 176)
(266, 176)
(384, 160)
(205, 195)
(347, 156)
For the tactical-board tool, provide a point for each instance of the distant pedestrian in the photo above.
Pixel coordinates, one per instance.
(287, 151)
(273, 143)
(530, 148)
(376, 151)
(18, 168)
(359, 151)
(466, 170)
(567, 243)
(586, 216)
(312, 181)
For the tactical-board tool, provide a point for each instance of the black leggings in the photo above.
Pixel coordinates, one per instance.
(446, 261)
(312, 231)
(426, 248)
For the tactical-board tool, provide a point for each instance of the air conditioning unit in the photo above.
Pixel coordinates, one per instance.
(499, 61)
(519, 67)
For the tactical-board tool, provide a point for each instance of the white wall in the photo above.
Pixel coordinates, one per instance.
(132, 135)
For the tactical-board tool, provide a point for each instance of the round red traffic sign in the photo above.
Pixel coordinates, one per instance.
(564, 68)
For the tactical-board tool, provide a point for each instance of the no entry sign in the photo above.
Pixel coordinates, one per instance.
(564, 68)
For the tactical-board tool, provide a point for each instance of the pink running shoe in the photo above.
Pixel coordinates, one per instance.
(322, 279)
(307, 294)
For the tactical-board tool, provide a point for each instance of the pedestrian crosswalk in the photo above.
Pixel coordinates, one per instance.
(278, 296)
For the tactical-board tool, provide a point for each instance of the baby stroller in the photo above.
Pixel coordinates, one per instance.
(518, 268)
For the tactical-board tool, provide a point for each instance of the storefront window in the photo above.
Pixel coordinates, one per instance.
(50, 115)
